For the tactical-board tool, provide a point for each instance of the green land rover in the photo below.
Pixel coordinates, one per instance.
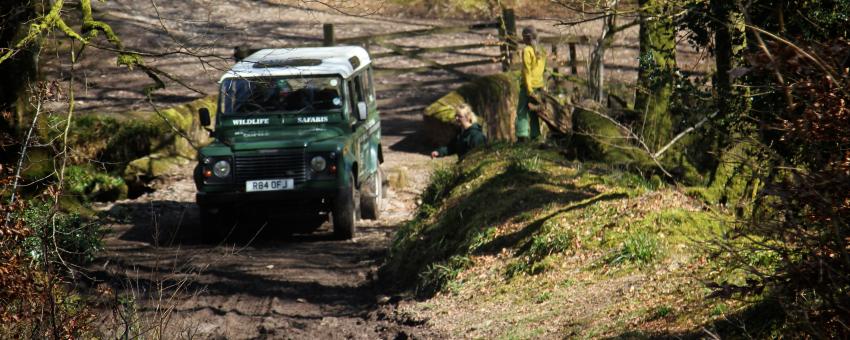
(297, 135)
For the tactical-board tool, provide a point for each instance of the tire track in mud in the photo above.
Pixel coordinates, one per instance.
(262, 283)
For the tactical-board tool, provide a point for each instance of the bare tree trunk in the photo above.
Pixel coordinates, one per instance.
(729, 41)
(596, 70)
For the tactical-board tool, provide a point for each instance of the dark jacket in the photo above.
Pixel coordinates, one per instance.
(464, 142)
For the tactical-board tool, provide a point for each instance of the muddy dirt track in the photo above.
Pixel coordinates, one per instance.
(260, 282)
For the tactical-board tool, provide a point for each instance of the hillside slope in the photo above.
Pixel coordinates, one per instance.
(516, 242)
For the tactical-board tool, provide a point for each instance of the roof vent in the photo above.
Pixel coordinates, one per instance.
(355, 62)
(287, 63)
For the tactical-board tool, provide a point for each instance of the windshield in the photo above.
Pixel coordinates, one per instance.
(277, 94)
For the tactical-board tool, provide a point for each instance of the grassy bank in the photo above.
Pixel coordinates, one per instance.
(517, 242)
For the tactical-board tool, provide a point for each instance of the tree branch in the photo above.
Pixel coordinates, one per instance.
(660, 152)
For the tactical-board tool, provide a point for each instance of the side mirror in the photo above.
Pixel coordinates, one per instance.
(362, 112)
(204, 116)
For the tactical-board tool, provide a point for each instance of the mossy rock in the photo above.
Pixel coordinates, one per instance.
(599, 139)
(89, 185)
(738, 177)
(493, 98)
(119, 142)
(91, 135)
(37, 165)
(129, 145)
(153, 166)
(116, 142)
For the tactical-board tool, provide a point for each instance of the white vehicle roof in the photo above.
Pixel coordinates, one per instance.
(305, 61)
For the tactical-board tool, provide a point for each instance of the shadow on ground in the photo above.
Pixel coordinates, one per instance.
(174, 223)
(260, 275)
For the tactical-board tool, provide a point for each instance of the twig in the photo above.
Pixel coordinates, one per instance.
(632, 135)
(340, 11)
(21, 161)
(683, 133)
(789, 99)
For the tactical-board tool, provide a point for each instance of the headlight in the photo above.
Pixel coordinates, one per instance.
(318, 163)
(221, 169)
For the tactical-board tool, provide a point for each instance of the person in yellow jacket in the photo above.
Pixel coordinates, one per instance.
(531, 84)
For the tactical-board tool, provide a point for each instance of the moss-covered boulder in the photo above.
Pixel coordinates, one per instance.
(740, 175)
(128, 149)
(166, 140)
(142, 145)
(118, 142)
(493, 98)
(600, 139)
(597, 137)
(439, 119)
(88, 185)
(153, 166)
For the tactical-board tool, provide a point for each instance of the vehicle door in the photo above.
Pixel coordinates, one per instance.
(372, 126)
(367, 134)
(356, 100)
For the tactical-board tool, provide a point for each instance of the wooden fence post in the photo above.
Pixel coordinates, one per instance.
(503, 49)
(573, 62)
(328, 30)
(511, 38)
(555, 57)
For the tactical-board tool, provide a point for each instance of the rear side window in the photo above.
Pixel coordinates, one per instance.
(370, 88)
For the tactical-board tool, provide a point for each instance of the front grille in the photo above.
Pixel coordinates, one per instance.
(283, 164)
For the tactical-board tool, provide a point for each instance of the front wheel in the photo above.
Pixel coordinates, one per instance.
(345, 212)
(372, 197)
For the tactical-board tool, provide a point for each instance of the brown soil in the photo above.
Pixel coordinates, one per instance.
(261, 283)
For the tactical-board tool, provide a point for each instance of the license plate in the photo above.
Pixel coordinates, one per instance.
(270, 184)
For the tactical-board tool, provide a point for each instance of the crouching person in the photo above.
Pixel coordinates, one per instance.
(470, 138)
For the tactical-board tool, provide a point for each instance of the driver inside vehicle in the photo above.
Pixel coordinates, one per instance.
(295, 95)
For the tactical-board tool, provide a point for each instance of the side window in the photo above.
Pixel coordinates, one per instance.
(368, 91)
(352, 101)
(371, 87)
(356, 85)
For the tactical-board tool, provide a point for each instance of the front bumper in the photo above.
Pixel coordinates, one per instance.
(298, 197)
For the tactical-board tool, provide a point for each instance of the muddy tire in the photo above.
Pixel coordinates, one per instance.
(372, 196)
(344, 212)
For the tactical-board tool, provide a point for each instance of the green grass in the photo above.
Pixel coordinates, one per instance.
(462, 205)
(662, 312)
(576, 250)
(640, 248)
(553, 238)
